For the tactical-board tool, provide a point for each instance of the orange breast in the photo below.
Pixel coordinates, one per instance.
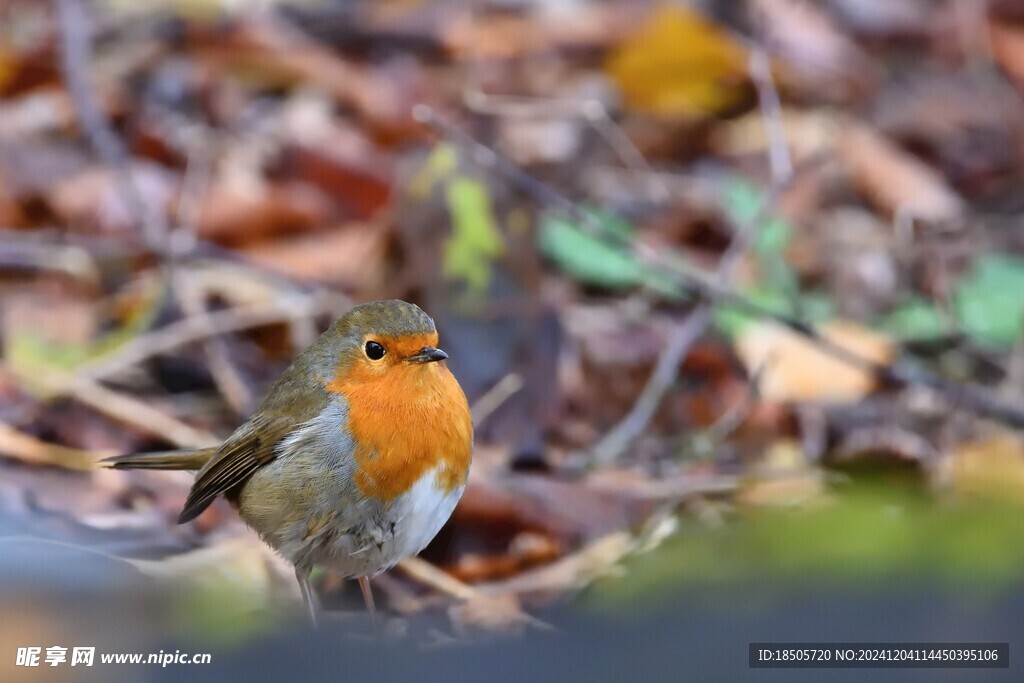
(405, 422)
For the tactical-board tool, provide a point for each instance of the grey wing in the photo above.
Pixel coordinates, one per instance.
(251, 446)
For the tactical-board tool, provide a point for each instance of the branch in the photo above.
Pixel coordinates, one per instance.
(704, 286)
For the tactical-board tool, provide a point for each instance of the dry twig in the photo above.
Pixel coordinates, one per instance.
(123, 408)
(29, 449)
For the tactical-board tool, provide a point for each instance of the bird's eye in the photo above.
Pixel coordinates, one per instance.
(374, 351)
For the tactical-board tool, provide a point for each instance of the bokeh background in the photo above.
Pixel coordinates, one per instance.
(735, 289)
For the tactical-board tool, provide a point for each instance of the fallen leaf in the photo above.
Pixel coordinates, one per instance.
(1008, 48)
(96, 198)
(233, 213)
(987, 301)
(270, 50)
(895, 180)
(55, 333)
(475, 241)
(334, 155)
(794, 369)
(808, 134)
(473, 35)
(598, 260)
(350, 255)
(821, 59)
(680, 64)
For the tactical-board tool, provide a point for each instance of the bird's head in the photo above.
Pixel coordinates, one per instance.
(384, 339)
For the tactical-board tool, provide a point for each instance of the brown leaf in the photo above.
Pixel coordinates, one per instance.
(334, 156)
(238, 213)
(895, 180)
(97, 198)
(794, 369)
(820, 58)
(350, 256)
(1008, 48)
(507, 36)
(273, 50)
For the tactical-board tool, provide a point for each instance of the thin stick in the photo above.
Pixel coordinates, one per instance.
(779, 159)
(199, 327)
(122, 408)
(612, 445)
(226, 375)
(505, 388)
(140, 415)
(439, 580)
(28, 449)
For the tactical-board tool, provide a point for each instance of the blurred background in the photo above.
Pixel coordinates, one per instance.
(735, 290)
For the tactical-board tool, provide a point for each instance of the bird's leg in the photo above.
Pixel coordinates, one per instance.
(364, 585)
(308, 596)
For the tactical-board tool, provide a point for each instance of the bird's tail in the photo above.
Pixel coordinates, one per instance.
(161, 460)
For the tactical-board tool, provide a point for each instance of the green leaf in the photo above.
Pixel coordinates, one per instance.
(916, 319)
(988, 302)
(475, 241)
(597, 261)
(743, 201)
(773, 238)
(587, 258)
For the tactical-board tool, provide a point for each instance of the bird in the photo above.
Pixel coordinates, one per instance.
(355, 458)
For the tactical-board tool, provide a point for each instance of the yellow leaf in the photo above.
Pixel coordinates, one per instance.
(793, 369)
(680, 64)
(475, 242)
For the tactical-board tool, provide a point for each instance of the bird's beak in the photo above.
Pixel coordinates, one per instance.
(428, 354)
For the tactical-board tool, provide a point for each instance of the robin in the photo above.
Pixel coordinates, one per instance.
(354, 459)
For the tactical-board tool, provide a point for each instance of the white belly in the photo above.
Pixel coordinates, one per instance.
(400, 529)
